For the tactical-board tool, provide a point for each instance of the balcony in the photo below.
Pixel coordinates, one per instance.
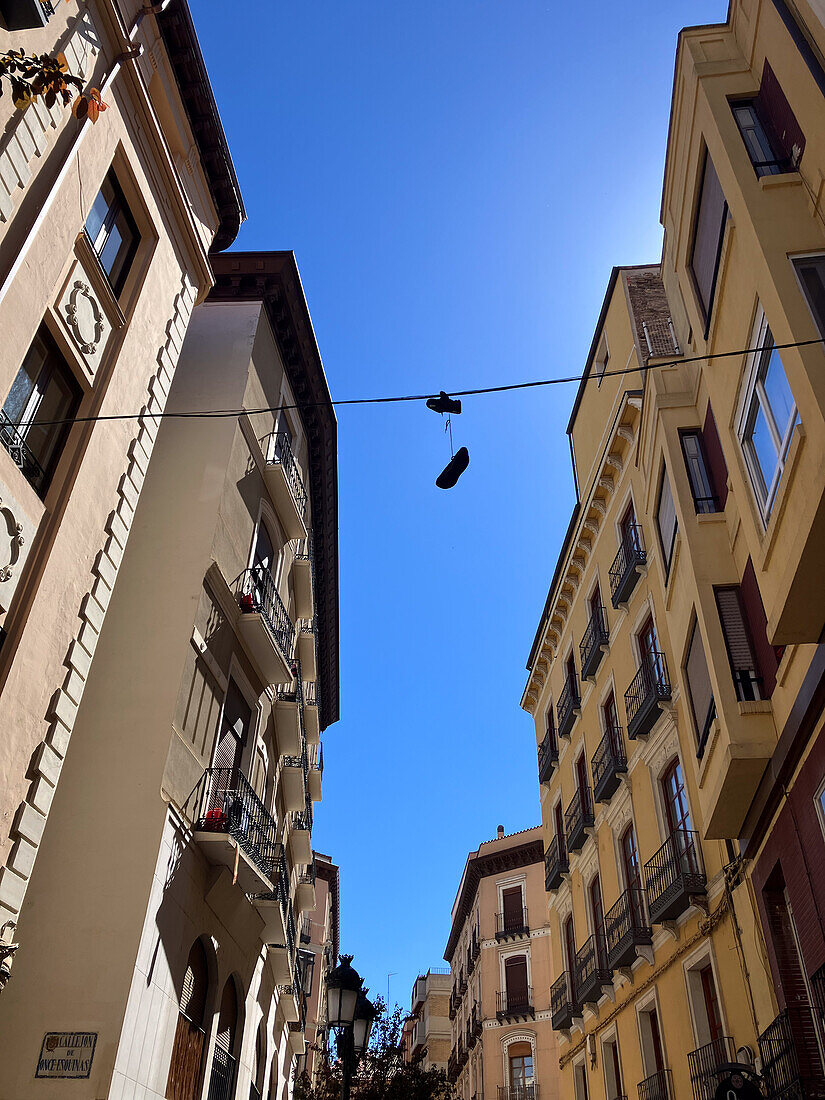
(475, 946)
(272, 905)
(578, 818)
(659, 1086)
(455, 1000)
(285, 718)
(548, 753)
(296, 1039)
(568, 706)
(300, 845)
(627, 567)
(515, 1005)
(675, 876)
(306, 930)
(791, 1064)
(512, 925)
(234, 829)
(704, 1065)
(302, 570)
(288, 1002)
(264, 625)
(556, 864)
(281, 951)
(305, 890)
(293, 779)
(316, 771)
(594, 643)
(627, 932)
(649, 688)
(462, 985)
(307, 636)
(311, 722)
(593, 976)
(608, 765)
(565, 1007)
(285, 484)
(22, 455)
(476, 1023)
(518, 1092)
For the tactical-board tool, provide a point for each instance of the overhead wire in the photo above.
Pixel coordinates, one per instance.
(217, 414)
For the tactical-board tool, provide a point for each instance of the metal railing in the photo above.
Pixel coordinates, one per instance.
(257, 593)
(569, 702)
(548, 754)
(659, 1086)
(623, 574)
(592, 971)
(224, 801)
(577, 818)
(222, 1074)
(518, 1092)
(650, 686)
(783, 1075)
(278, 451)
(315, 755)
(21, 454)
(299, 820)
(514, 1002)
(704, 1063)
(595, 636)
(306, 930)
(674, 874)
(556, 863)
(608, 763)
(626, 927)
(564, 1002)
(511, 923)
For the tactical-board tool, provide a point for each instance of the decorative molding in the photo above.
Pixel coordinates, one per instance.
(598, 506)
(48, 761)
(625, 432)
(615, 462)
(606, 483)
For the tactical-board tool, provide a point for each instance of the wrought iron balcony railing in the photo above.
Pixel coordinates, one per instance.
(257, 593)
(648, 689)
(512, 924)
(548, 753)
(568, 705)
(565, 1006)
(594, 643)
(278, 449)
(22, 455)
(518, 1092)
(788, 1076)
(475, 946)
(592, 970)
(659, 1086)
(510, 1003)
(556, 864)
(624, 572)
(225, 802)
(626, 929)
(578, 818)
(608, 765)
(704, 1063)
(462, 984)
(675, 876)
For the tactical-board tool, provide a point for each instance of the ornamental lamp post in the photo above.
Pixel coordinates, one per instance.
(343, 993)
(362, 1025)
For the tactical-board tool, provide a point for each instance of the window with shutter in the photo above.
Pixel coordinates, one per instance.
(701, 489)
(738, 643)
(717, 467)
(700, 691)
(810, 271)
(775, 112)
(709, 228)
(666, 521)
(515, 977)
(767, 656)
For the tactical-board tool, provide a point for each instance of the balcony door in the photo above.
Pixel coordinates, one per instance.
(677, 813)
(632, 875)
(515, 981)
(222, 1077)
(513, 907)
(628, 527)
(652, 1047)
(570, 946)
(648, 643)
(597, 916)
(520, 1071)
(236, 721)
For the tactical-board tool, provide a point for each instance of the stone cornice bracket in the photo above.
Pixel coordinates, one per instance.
(625, 432)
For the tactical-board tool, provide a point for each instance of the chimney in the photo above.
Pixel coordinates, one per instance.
(500, 832)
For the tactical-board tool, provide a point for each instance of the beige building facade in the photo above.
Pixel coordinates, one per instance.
(429, 1034)
(499, 950)
(180, 836)
(676, 676)
(104, 237)
(320, 940)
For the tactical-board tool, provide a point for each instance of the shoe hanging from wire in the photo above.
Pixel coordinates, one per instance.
(460, 459)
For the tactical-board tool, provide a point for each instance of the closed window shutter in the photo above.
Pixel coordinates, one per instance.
(717, 467)
(515, 974)
(776, 116)
(666, 519)
(707, 239)
(767, 656)
(737, 639)
(701, 692)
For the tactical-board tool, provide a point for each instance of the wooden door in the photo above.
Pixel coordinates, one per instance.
(515, 981)
(513, 905)
(187, 1049)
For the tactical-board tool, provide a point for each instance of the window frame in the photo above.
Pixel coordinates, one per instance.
(711, 498)
(754, 399)
(770, 166)
(667, 553)
(706, 309)
(119, 207)
(817, 258)
(702, 733)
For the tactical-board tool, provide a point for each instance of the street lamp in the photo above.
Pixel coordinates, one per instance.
(351, 1014)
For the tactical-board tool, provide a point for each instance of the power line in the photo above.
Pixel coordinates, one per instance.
(217, 414)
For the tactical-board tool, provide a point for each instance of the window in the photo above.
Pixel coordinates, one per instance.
(763, 157)
(651, 1036)
(513, 909)
(580, 1081)
(677, 811)
(772, 136)
(34, 422)
(570, 943)
(810, 271)
(632, 875)
(551, 727)
(235, 723)
(515, 981)
(701, 489)
(612, 1068)
(602, 359)
(666, 521)
(112, 232)
(520, 1057)
(700, 692)
(768, 418)
(753, 660)
(708, 233)
(648, 643)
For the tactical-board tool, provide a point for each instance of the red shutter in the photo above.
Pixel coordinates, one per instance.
(767, 656)
(717, 467)
(707, 237)
(776, 116)
(515, 976)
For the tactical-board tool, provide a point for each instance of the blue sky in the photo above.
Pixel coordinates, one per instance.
(457, 179)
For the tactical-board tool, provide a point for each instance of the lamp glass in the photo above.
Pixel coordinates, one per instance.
(341, 1006)
(360, 1033)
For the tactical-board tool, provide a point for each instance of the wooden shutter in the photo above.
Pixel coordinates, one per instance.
(699, 688)
(767, 656)
(187, 1049)
(707, 237)
(737, 637)
(717, 467)
(776, 116)
(515, 977)
(511, 899)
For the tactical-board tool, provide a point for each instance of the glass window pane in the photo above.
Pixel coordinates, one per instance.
(23, 385)
(779, 394)
(124, 234)
(110, 250)
(700, 485)
(57, 403)
(812, 275)
(97, 216)
(762, 447)
(666, 519)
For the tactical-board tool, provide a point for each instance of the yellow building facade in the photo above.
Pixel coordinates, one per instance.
(675, 679)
